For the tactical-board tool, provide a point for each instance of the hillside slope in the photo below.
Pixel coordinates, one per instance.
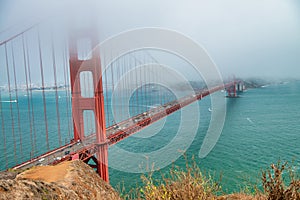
(68, 180)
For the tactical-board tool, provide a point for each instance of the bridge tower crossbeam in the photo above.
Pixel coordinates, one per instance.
(93, 102)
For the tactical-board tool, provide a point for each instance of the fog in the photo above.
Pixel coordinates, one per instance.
(250, 38)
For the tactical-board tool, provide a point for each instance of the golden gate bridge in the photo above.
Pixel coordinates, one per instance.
(75, 72)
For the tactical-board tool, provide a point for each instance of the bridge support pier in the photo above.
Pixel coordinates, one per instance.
(85, 99)
(235, 89)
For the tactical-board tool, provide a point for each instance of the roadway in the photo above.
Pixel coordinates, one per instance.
(119, 131)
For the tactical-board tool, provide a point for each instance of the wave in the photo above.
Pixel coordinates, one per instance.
(249, 120)
(153, 106)
(12, 101)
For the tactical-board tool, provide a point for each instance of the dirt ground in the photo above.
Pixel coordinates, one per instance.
(48, 173)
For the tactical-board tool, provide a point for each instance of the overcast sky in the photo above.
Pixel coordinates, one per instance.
(247, 38)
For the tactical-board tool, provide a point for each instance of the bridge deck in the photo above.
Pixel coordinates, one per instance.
(117, 132)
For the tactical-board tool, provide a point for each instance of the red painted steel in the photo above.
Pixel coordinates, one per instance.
(95, 146)
(126, 128)
(95, 103)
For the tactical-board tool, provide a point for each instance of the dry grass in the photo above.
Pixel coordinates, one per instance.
(191, 183)
(188, 183)
(241, 196)
(275, 186)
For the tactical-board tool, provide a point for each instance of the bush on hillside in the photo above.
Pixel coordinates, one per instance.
(274, 185)
(188, 183)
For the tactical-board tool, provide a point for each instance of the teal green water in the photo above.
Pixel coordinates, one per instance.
(261, 127)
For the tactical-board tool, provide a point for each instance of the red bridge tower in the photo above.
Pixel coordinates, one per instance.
(93, 102)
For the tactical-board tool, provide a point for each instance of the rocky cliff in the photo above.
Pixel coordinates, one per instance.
(68, 180)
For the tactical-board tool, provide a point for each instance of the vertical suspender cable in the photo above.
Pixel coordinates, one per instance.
(43, 91)
(147, 93)
(66, 78)
(17, 98)
(56, 92)
(104, 72)
(143, 71)
(112, 91)
(147, 86)
(141, 89)
(123, 72)
(143, 68)
(136, 89)
(28, 98)
(31, 101)
(129, 86)
(119, 91)
(160, 89)
(158, 78)
(127, 77)
(136, 97)
(132, 94)
(155, 84)
(125, 88)
(151, 100)
(3, 133)
(10, 104)
(128, 82)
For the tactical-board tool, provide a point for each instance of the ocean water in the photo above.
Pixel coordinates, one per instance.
(16, 128)
(261, 127)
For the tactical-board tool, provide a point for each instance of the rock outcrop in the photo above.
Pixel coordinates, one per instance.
(68, 180)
